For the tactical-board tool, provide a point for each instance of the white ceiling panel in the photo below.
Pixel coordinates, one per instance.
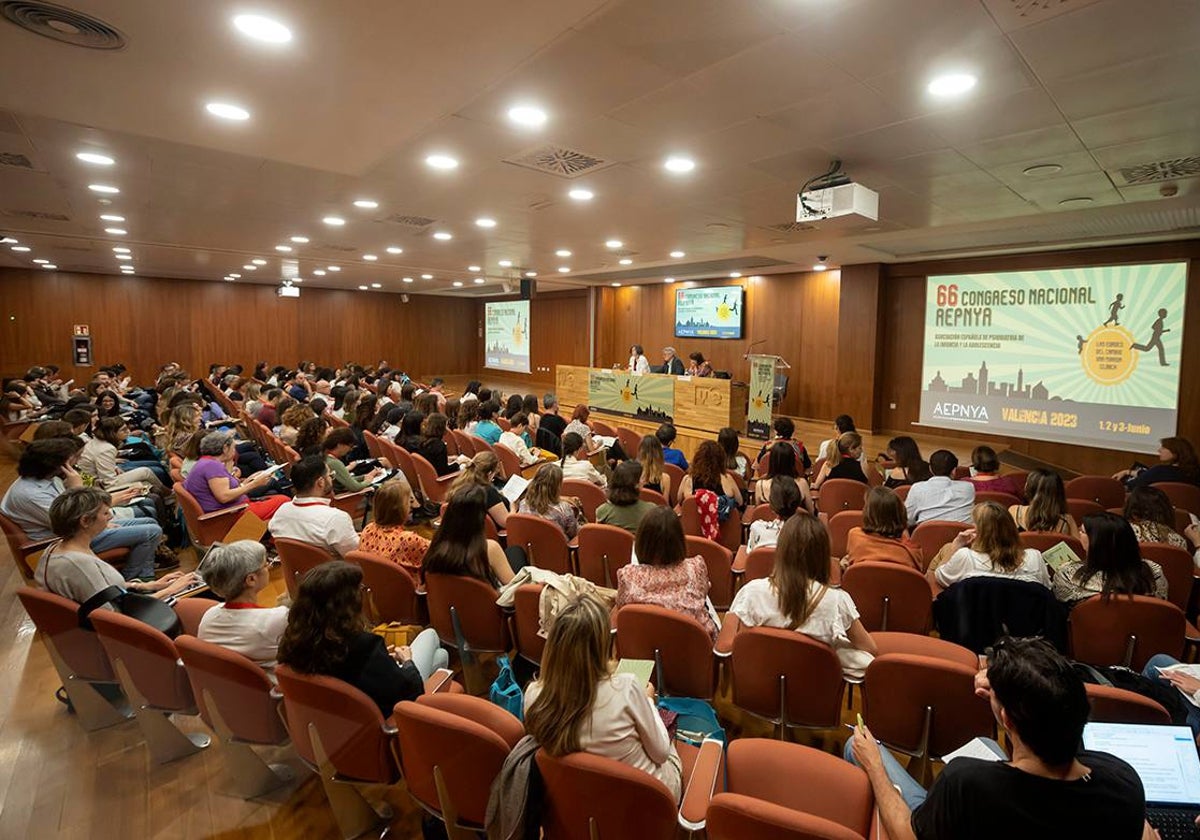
(1124, 86)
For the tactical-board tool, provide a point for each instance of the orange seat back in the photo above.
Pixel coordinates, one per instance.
(239, 689)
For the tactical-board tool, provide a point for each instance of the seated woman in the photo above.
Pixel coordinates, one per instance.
(625, 508)
(650, 456)
(785, 501)
(100, 459)
(481, 471)
(575, 462)
(71, 569)
(664, 575)
(460, 548)
(580, 704)
(386, 535)
(579, 426)
(190, 452)
(985, 473)
(328, 634)
(292, 420)
(393, 417)
(311, 435)
(1176, 462)
(364, 413)
(238, 572)
(542, 498)
(487, 427)
(707, 472)
(1150, 513)
(797, 596)
(698, 365)
(844, 461)
(338, 444)
(781, 460)
(215, 486)
(909, 467)
(735, 461)
(1113, 564)
(785, 431)
(884, 533)
(432, 445)
(1047, 508)
(468, 415)
(410, 431)
(532, 412)
(514, 439)
(182, 422)
(991, 549)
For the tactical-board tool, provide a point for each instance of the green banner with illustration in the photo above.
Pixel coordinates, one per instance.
(631, 394)
(762, 385)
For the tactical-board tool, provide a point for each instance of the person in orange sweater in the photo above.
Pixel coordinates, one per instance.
(883, 533)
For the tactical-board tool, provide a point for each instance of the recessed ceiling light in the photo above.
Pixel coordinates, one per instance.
(426, 276)
(227, 111)
(366, 204)
(406, 279)
(951, 84)
(443, 235)
(440, 161)
(819, 266)
(529, 116)
(259, 262)
(370, 257)
(485, 222)
(531, 274)
(284, 249)
(103, 188)
(564, 269)
(363, 288)
(474, 268)
(625, 261)
(1042, 170)
(376, 285)
(335, 268)
(580, 194)
(668, 279)
(228, 278)
(679, 164)
(8, 240)
(50, 266)
(735, 274)
(115, 231)
(263, 29)
(393, 249)
(678, 255)
(41, 262)
(128, 269)
(300, 240)
(506, 263)
(614, 243)
(334, 221)
(297, 279)
(615, 285)
(123, 256)
(457, 284)
(319, 272)
(480, 281)
(234, 276)
(249, 267)
(97, 159)
(1079, 201)
(562, 252)
(21, 249)
(111, 217)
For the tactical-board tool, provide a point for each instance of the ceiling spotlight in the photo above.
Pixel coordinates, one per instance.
(234, 276)
(50, 266)
(111, 217)
(263, 29)
(297, 280)
(440, 161)
(120, 249)
(615, 285)
(443, 235)
(103, 188)
(284, 249)
(300, 240)
(93, 158)
(1042, 170)
(506, 263)
(227, 111)
(678, 255)
(458, 284)
(319, 272)
(529, 116)
(21, 249)
(43, 262)
(366, 204)
(735, 274)
(259, 261)
(370, 257)
(951, 84)
(668, 279)
(363, 288)
(580, 194)
(563, 269)
(679, 164)
(115, 231)
(406, 279)
(1079, 201)
(393, 249)
(335, 268)
(474, 268)
(8, 240)
(479, 281)
(376, 285)
(426, 276)
(820, 263)
(249, 267)
(625, 261)
(334, 221)
(614, 243)
(123, 256)
(531, 274)
(562, 252)
(485, 222)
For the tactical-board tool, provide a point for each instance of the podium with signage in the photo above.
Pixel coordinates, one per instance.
(767, 388)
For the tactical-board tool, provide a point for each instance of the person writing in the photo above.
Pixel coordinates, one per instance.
(514, 439)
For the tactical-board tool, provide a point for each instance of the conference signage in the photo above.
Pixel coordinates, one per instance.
(650, 398)
(762, 386)
(506, 336)
(1078, 355)
(709, 312)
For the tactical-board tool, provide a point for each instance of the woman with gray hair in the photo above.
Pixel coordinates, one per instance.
(238, 572)
(213, 481)
(71, 569)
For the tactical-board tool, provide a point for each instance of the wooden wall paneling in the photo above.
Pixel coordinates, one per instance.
(858, 343)
(559, 327)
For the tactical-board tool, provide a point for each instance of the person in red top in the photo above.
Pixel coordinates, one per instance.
(386, 535)
(985, 474)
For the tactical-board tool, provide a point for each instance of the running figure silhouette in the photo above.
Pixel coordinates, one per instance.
(1156, 331)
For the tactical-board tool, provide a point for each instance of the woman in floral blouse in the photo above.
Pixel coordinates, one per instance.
(542, 498)
(386, 535)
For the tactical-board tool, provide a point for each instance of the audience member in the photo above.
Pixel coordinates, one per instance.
(735, 461)
(650, 456)
(940, 496)
(579, 426)
(386, 535)
(1112, 564)
(844, 461)
(309, 517)
(1176, 462)
(782, 461)
(664, 575)
(625, 507)
(785, 431)
(514, 439)
(841, 424)
(638, 363)
(215, 487)
(481, 471)
(576, 464)
(460, 547)
(1047, 508)
(985, 473)
(486, 428)
(1152, 516)
(238, 573)
(311, 435)
(991, 549)
(337, 446)
(785, 501)
(431, 445)
(551, 420)
(884, 532)
(666, 436)
(909, 466)
(672, 364)
(542, 498)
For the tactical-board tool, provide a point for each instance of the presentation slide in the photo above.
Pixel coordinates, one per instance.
(506, 336)
(709, 313)
(1073, 355)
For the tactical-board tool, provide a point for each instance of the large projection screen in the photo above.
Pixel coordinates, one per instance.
(506, 336)
(1086, 356)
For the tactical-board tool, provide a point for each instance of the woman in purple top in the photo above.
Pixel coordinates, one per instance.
(214, 485)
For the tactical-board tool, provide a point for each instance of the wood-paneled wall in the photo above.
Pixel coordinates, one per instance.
(790, 315)
(558, 324)
(145, 322)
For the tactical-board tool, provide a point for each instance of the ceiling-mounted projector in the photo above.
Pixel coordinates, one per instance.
(288, 290)
(832, 202)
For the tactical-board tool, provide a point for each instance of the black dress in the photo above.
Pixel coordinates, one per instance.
(369, 668)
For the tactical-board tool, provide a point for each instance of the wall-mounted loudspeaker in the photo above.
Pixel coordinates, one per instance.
(528, 288)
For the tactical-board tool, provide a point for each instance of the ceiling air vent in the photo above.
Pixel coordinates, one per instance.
(17, 161)
(790, 227)
(555, 160)
(62, 24)
(345, 248)
(1017, 14)
(37, 214)
(1162, 170)
(410, 221)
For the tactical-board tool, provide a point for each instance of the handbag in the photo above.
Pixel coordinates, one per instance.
(695, 720)
(137, 605)
(505, 692)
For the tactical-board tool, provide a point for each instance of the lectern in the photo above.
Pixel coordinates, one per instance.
(765, 371)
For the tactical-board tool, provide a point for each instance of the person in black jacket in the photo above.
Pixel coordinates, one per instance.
(672, 364)
(327, 634)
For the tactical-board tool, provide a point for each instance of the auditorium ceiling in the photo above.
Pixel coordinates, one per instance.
(1082, 128)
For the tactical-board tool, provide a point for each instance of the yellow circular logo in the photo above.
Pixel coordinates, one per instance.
(626, 395)
(1106, 355)
(723, 312)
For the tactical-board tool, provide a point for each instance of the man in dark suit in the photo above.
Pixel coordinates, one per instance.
(672, 364)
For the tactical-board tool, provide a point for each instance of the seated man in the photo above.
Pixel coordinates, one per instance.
(940, 497)
(309, 517)
(666, 436)
(672, 364)
(44, 472)
(551, 419)
(1050, 788)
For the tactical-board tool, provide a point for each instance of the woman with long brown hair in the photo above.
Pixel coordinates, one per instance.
(650, 456)
(578, 703)
(707, 472)
(1047, 508)
(1113, 564)
(992, 549)
(797, 596)
(543, 497)
(481, 471)
(460, 546)
(910, 466)
(1176, 462)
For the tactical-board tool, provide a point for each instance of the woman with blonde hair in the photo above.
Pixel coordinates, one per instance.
(579, 704)
(386, 535)
(182, 423)
(844, 460)
(481, 471)
(650, 456)
(543, 498)
(797, 596)
(991, 549)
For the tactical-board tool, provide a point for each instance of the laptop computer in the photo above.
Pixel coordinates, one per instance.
(1166, 761)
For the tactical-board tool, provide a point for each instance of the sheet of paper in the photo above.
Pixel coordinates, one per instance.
(514, 488)
(1191, 671)
(604, 440)
(640, 668)
(975, 748)
(1058, 554)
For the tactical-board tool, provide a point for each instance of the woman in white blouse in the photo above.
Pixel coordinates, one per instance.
(992, 548)
(579, 704)
(638, 363)
(575, 463)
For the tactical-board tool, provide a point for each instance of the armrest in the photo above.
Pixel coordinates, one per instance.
(447, 478)
(37, 545)
(217, 514)
(723, 647)
(439, 682)
(573, 544)
(341, 497)
(1190, 633)
(699, 787)
(739, 560)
